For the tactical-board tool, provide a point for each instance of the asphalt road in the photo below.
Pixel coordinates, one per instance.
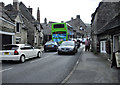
(51, 68)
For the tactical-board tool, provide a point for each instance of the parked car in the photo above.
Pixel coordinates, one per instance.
(19, 52)
(50, 46)
(67, 47)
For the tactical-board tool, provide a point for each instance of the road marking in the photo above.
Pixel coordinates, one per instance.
(70, 74)
(6, 69)
(39, 59)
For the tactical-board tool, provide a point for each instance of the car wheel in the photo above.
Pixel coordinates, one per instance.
(45, 50)
(39, 54)
(22, 59)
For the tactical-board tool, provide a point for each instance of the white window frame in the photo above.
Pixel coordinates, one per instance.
(8, 33)
(103, 46)
(18, 38)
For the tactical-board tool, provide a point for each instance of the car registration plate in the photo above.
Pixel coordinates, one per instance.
(50, 45)
(6, 53)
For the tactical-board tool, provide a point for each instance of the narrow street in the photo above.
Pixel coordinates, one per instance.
(51, 68)
(35, 35)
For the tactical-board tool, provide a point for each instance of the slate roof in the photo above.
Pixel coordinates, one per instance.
(29, 20)
(75, 23)
(115, 22)
(26, 12)
(11, 12)
(46, 28)
(6, 15)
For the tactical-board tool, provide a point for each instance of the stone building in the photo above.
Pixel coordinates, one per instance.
(33, 37)
(78, 26)
(106, 28)
(20, 25)
(11, 26)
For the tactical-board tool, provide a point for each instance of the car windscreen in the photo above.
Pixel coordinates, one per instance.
(67, 44)
(10, 47)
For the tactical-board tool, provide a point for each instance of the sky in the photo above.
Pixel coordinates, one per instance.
(61, 10)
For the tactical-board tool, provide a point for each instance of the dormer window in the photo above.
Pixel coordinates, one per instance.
(17, 27)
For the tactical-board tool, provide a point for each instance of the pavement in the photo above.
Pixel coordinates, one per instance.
(93, 69)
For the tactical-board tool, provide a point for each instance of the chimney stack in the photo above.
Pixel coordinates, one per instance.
(71, 18)
(30, 10)
(78, 16)
(38, 14)
(16, 4)
(45, 20)
(62, 21)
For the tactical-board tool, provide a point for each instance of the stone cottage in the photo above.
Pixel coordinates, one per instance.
(23, 27)
(11, 26)
(106, 28)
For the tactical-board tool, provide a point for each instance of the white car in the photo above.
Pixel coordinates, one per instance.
(19, 52)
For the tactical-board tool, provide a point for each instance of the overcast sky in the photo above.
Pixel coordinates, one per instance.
(61, 10)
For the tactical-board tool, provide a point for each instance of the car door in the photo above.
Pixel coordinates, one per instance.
(30, 51)
(24, 50)
(33, 53)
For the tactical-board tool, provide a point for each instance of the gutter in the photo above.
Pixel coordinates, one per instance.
(7, 21)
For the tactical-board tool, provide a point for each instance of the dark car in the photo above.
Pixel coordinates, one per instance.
(50, 46)
(68, 47)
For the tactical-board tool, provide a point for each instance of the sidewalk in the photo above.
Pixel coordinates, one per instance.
(94, 69)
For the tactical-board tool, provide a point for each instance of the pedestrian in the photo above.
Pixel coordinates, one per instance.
(87, 45)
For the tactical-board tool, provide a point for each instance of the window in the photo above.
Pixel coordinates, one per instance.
(10, 47)
(103, 46)
(18, 40)
(17, 27)
(26, 48)
(59, 26)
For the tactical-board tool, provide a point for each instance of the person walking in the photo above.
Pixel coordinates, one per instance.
(87, 44)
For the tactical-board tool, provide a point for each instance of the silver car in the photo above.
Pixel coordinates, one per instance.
(68, 47)
(19, 52)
